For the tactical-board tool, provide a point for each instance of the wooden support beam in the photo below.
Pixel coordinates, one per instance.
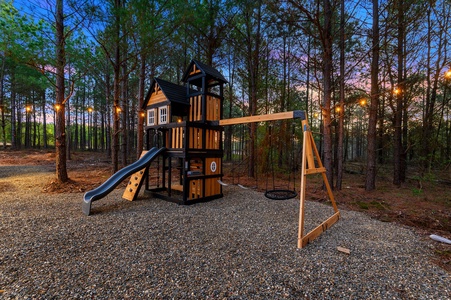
(315, 171)
(295, 114)
(309, 153)
(318, 230)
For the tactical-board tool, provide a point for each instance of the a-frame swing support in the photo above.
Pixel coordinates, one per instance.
(309, 152)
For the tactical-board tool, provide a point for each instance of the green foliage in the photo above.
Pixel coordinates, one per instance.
(19, 35)
(417, 192)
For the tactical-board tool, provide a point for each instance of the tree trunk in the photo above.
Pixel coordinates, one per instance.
(308, 100)
(125, 116)
(116, 117)
(44, 121)
(342, 99)
(14, 144)
(327, 73)
(141, 114)
(68, 129)
(60, 134)
(370, 181)
(254, 41)
(116, 91)
(107, 119)
(228, 129)
(2, 103)
(83, 138)
(18, 132)
(380, 131)
(27, 126)
(398, 150)
(75, 138)
(428, 139)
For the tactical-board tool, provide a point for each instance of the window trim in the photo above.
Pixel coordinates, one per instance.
(163, 114)
(149, 112)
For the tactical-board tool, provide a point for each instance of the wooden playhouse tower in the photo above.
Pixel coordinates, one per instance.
(184, 120)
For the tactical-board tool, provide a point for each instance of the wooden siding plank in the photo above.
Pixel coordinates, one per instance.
(156, 98)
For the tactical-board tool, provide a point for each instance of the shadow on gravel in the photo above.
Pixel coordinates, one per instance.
(11, 171)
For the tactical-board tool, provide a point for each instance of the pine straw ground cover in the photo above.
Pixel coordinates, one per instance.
(426, 210)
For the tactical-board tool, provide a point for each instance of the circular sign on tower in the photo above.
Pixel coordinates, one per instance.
(213, 166)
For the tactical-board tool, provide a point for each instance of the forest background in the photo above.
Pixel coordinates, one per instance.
(372, 76)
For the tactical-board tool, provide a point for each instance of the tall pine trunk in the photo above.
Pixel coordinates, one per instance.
(124, 116)
(44, 121)
(327, 81)
(398, 152)
(254, 41)
(60, 134)
(370, 181)
(340, 151)
(14, 143)
(2, 103)
(116, 91)
(140, 129)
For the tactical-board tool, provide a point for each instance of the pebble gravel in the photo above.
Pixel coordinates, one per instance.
(242, 246)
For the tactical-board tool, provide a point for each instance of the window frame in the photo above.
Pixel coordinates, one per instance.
(163, 114)
(149, 112)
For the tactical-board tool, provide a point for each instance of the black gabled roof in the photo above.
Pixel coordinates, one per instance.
(207, 70)
(173, 92)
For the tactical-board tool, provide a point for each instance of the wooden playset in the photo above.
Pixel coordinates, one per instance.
(183, 119)
(183, 129)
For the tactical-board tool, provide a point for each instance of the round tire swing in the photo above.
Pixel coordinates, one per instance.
(280, 194)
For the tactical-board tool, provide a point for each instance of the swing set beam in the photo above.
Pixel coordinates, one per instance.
(295, 114)
(309, 153)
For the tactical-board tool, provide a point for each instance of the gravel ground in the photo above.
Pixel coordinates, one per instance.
(242, 246)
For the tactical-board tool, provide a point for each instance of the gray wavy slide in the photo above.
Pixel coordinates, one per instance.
(111, 183)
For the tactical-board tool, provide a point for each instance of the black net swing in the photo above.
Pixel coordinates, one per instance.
(280, 193)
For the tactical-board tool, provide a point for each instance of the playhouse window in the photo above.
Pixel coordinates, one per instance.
(163, 115)
(151, 117)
